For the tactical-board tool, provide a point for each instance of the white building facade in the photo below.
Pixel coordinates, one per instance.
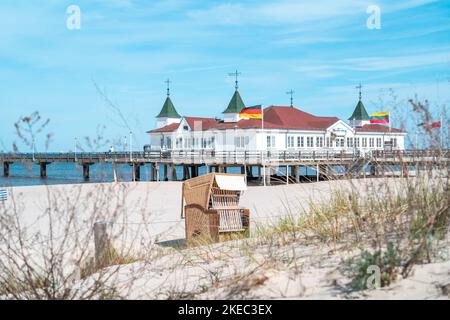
(285, 129)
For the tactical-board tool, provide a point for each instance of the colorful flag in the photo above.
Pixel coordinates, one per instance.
(436, 124)
(254, 112)
(433, 125)
(379, 117)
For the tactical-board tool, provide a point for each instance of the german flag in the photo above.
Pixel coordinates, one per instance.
(379, 117)
(254, 112)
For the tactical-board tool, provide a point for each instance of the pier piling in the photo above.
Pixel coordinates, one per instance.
(86, 171)
(166, 177)
(185, 173)
(173, 172)
(152, 172)
(296, 173)
(137, 172)
(43, 167)
(268, 175)
(6, 168)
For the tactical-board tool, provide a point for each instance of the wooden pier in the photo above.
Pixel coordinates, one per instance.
(323, 163)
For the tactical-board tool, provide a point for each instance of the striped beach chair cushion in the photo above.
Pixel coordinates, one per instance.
(3, 195)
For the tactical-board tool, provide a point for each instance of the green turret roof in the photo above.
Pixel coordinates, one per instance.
(360, 112)
(168, 110)
(236, 104)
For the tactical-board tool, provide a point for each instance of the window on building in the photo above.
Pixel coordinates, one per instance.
(310, 142)
(290, 142)
(270, 141)
(301, 142)
(168, 143)
(319, 142)
(357, 142)
(338, 142)
(328, 141)
(372, 142)
(394, 142)
(240, 142)
(364, 142)
(179, 143)
(379, 143)
(350, 142)
(243, 142)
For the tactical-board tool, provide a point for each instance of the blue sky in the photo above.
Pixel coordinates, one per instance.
(321, 49)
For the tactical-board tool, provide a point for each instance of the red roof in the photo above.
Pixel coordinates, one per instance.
(275, 117)
(376, 128)
(203, 123)
(168, 128)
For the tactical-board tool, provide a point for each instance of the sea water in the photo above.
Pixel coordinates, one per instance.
(72, 173)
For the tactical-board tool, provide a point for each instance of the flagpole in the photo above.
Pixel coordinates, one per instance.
(262, 158)
(442, 132)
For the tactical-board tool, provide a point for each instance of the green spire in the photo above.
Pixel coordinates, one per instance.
(360, 112)
(168, 110)
(236, 104)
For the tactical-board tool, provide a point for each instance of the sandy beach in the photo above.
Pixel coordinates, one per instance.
(147, 213)
(159, 203)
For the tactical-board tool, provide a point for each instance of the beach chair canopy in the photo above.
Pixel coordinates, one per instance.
(198, 190)
(231, 182)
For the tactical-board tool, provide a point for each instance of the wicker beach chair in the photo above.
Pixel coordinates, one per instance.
(211, 205)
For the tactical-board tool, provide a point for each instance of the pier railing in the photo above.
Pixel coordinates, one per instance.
(223, 157)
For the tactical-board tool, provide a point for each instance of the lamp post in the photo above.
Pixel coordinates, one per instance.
(131, 146)
(76, 148)
(33, 149)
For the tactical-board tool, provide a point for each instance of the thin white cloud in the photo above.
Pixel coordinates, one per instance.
(285, 12)
(385, 63)
(291, 12)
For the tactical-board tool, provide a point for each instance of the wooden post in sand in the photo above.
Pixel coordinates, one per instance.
(102, 243)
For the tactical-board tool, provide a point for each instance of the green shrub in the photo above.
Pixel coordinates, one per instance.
(388, 261)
